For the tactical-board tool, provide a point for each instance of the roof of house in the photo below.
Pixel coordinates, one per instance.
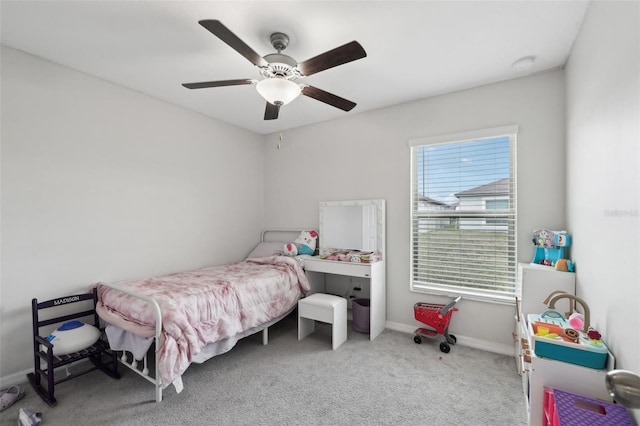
(432, 201)
(500, 186)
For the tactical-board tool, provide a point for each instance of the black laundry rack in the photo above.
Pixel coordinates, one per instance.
(100, 355)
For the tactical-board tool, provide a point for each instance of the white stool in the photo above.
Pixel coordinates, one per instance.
(325, 308)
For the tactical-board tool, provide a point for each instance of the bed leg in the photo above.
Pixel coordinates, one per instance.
(157, 360)
(265, 336)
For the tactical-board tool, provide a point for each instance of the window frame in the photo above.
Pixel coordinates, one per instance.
(476, 293)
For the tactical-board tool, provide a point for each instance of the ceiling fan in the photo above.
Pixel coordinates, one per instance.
(279, 71)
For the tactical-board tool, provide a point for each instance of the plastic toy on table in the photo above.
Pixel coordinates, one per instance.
(553, 338)
(550, 246)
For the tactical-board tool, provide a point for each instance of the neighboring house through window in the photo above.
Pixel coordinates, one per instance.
(493, 196)
(463, 214)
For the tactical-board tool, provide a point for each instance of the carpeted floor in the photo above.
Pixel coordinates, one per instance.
(390, 381)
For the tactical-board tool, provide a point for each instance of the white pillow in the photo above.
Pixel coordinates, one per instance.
(73, 336)
(266, 249)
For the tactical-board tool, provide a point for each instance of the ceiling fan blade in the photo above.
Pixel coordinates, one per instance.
(220, 83)
(328, 98)
(224, 34)
(271, 111)
(338, 56)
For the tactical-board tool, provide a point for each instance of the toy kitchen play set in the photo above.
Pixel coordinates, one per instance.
(555, 344)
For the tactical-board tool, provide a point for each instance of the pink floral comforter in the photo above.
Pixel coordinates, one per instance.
(205, 306)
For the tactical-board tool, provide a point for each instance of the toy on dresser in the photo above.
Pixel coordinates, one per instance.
(354, 256)
(304, 244)
(569, 340)
(550, 249)
(554, 338)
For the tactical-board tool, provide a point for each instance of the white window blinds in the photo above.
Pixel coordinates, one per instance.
(464, 215)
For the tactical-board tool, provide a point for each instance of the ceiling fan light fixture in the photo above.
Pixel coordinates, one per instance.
(279, 71)
(278, 90)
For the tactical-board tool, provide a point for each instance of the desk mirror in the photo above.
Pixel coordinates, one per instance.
(356, 225)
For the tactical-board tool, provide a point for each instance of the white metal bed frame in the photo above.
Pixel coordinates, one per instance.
(143, 368)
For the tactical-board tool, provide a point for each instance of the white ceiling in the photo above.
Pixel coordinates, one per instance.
(415, 49)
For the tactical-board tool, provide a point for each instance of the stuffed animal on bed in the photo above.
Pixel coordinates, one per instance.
(290, 249)
(304, 244)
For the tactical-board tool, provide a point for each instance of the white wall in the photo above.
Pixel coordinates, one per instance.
(366, 156)
(103, 183)
(603, 146)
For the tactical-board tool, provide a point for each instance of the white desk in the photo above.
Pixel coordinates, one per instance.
(316, 269)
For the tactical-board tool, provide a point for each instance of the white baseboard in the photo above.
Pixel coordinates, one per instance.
(19, 378)
(484, 345)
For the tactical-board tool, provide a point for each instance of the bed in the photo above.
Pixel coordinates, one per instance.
(195, 315)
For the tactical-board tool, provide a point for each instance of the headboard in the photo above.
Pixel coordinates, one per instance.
(285, 235)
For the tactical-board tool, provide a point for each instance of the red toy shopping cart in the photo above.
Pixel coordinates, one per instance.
(437, 317)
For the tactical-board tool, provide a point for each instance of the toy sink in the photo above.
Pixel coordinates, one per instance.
(554, 346)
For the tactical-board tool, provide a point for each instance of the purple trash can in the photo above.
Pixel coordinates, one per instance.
(360, 309)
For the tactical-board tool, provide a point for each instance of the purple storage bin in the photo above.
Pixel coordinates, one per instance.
(361, 314)
(578, 410)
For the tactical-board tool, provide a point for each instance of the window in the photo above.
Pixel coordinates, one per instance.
(463, 214)
(497, 204)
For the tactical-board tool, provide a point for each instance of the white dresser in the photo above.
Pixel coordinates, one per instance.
(535, 283)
